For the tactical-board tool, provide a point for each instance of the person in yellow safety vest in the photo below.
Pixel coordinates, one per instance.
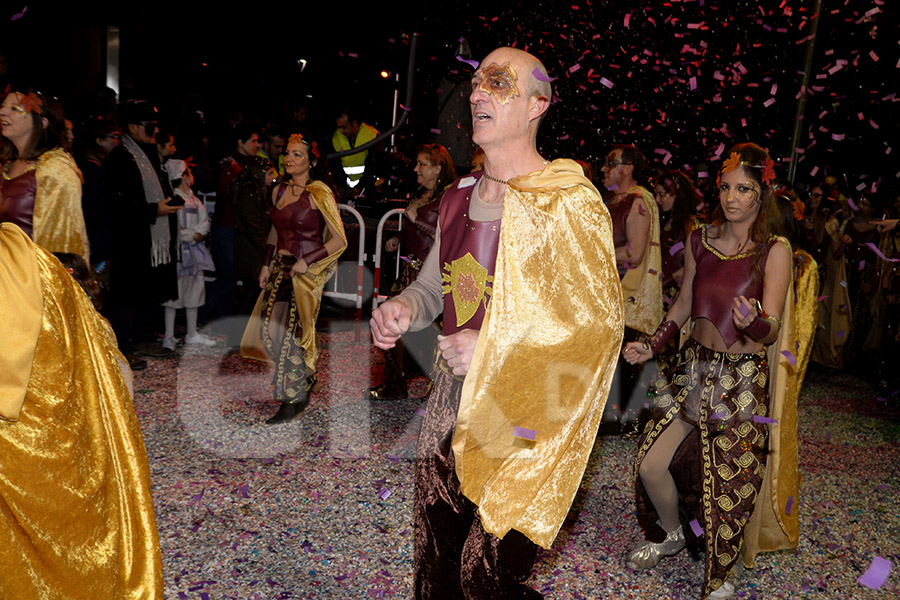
(350, 133)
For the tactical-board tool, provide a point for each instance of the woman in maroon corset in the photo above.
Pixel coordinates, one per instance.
(434, 171)
(306, 238)
(736, 278)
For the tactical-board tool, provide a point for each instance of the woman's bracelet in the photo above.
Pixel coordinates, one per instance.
(760, 328)
(315, 256)
(665, 332)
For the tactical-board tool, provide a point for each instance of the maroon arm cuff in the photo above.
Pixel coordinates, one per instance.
(315, 256)
(759, 329)
(270, 252)
(665, 332)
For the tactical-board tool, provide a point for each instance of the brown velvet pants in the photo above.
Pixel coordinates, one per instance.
(454, 556)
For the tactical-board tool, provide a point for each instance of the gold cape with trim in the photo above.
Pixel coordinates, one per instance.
(642, 285)
(58, 221)
(545, 357)
(775, 524)
(76, 514)
(307, 287)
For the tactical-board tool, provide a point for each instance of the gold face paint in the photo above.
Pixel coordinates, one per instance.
(499, 82)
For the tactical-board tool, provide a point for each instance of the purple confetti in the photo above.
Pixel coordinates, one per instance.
(790, 503)
(745, 310)
(877, 573)
(539, 75)
(436, 131)
(606, 82)
(245, 491)
(758, 419)
(471, 63)
(790, 357)
(695, 527)
(18, 15)
(420, 411)
(384, 493)
(875, 249)
(527, 434)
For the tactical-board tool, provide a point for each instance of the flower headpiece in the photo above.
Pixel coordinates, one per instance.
(31, 102)
(297, 138)
(767, 166)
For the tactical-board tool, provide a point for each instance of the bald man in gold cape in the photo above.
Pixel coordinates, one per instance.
(523, 268)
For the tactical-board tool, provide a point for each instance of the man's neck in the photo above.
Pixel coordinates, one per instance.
(505, 165)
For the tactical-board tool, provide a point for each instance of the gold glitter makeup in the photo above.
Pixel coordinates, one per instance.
(499, 82)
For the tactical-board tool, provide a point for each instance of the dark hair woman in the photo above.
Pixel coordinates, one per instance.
(434, 171)
(737, 276)
(677, 198)
(40, 190)
(305, 240)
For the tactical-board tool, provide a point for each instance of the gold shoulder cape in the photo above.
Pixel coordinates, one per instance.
(58, 223)
(545, 356)
(835, 314)
(76, 516)
(642, 285)
(307, 288)
(774, 524)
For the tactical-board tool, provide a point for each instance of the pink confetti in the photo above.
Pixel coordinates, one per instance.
(745, 310)
(420, 411)
(471, 63)
(18, 15)
(675, 249)
(606, 82)
(769, 102)
(539, 75)
(436, 131)
(574, 68)
(790, 357)
(627, 19)
(880, 254)
(526, 434)
(695, 527)
(693, 83)
(405, 108)
(877, 573)
(352, 55)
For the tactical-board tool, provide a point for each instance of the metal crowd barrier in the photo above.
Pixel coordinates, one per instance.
(379, 232)
(356, 297)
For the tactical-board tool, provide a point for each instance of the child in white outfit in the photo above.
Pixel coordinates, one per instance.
(193, 260)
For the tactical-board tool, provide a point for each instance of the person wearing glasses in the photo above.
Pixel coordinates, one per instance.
(635, 219)
(40, 190)
(723, 424)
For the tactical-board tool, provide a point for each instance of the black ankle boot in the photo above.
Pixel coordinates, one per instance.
(287, 412)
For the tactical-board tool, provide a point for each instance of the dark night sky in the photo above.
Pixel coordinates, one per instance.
(681, 79)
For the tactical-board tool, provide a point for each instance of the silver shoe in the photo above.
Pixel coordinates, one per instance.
(648, 554)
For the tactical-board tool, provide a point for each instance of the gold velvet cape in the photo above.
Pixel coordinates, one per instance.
(545, 356)
(307, 288)
(642, 285)
(76, 516)
(58, 221)
(835, 314)
(774, 525)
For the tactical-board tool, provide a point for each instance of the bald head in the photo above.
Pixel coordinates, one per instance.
(525, 65)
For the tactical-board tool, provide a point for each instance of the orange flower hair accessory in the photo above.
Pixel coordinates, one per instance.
(32, 103)
(297, 138)
(768, 175)
(731, 163)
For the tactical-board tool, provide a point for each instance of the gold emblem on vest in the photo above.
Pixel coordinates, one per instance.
(468, 283)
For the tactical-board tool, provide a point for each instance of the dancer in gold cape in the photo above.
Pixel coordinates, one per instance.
(76, 516)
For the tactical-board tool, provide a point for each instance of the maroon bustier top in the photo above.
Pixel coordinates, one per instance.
(418, 237)
(299, 226)
(17, 201)
(618, 212)
(720, 279)
(460, 235)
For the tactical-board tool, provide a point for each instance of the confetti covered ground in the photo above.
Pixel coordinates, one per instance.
(322, 507)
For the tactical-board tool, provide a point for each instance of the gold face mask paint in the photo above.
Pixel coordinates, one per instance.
(499, 82)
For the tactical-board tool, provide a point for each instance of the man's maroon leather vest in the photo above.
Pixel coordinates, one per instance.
(419, 234)
(299, 226)
(468, 254)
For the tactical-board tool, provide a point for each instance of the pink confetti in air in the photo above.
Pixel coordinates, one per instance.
(574, 68)
(405, 108)
(384, 493)
(471, 63)
(352, 55)
(789, 505)
(758, 419)
(820, 298)
(877, 573)
(880, 254)
(525, 434)
(606, 82)
(676, 248)
(436, 131)
(790, 357)
(693, 83)
(852, 204)
(695, 527)
(18, 15)
(627, 19)
(769, 102)
(540, 76)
